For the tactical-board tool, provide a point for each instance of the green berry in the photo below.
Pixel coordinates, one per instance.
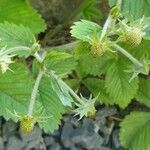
(27, 124)
(134, 37)
(98, 49)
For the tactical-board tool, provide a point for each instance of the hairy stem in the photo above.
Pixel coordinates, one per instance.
(128, 55)
(66, 86)
(34, 93)
(106, 25)
(14, 49)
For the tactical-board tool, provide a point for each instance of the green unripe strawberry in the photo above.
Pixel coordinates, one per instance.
(134, 37)
(27, 124)
(98, 49)
(91, 112)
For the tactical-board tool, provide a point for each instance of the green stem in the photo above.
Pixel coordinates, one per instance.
(66, 86)
(128, 55)
(34, 93)
(14, 49)
(106, 25)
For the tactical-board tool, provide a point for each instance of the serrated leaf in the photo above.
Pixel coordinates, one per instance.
(135, 131)
(21, 13)
(15, 90)
(60, 62)
(94, 66)
(133, 8)
(90, 10)
(12, 36)
(118, 85)
(85, 30)
(52, 106)
(97, 87)
(143, 93)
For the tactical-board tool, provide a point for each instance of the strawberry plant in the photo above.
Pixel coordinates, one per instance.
(112, 61)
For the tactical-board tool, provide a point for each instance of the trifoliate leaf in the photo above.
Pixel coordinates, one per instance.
(85, 30)
(17, 40)
(135, 131)
(133, 8)
(21, 13)
(118, 85)
(60, 62)
(52, 106)
(15, 90)
(143, 94)
(97, 87)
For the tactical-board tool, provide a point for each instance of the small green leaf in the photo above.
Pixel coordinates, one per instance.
(21, 13)
(118, 85)
(143, 94)
(60, 62)
(135, 131)
(85, 30)
(51, 105)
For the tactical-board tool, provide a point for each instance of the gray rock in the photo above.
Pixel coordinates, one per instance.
(48, 140)
(35, 144)
(107, 133)
(105, 112)
(34, 135)
(92, 142)
(56, 134)
(115, 140)
(1, 144)
(88, 124)
(103, 148)
(14, 144)
(67, 134)
(55, 146)
(79, 135)
(75, 148)
(9, 129)
(75, 122)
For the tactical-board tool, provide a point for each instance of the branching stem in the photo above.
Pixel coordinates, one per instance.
(34, 93)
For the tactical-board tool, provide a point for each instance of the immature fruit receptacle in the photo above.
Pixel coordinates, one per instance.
(98, 49)
(27, 124)
(134, 37)
(91, 112)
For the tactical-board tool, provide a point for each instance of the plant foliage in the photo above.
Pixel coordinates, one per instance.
(20, 12)
(135, 131)
(112, 62)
